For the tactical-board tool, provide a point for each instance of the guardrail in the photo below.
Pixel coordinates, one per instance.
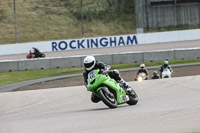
(119, 58)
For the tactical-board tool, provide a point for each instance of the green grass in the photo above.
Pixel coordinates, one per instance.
(44, 20)
(18, 76)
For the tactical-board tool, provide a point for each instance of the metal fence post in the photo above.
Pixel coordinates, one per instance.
(15, 21)
(82, 18)
(147, 14)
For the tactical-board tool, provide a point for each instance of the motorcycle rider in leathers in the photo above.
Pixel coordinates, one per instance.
(90, 64)
(164, 66)
(143, 70)
(36, 52)
(155, 75)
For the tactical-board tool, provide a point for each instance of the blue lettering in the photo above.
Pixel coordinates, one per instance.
(113, 41)
(104, 43)
(62, 47)
(54, 46)
(70, 44)
(80, 44)
(132, 40)
(88, 43)
(121, 41)
(95, 43)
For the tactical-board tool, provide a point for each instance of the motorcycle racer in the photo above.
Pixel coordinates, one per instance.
(155, 75)
(164, 66)
(90, 63)
(36, 52)
(143, 70)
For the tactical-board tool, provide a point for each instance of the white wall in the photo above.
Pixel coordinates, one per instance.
(112, 41)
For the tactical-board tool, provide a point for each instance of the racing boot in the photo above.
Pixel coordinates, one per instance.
(124, 85)
(94, 98)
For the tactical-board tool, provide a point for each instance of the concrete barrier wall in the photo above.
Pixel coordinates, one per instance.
(120, 58)
(158, 56)
(108, 59)
(187, 54)
(34, 64)
(128, 58)
(65, 62)
(6, 66)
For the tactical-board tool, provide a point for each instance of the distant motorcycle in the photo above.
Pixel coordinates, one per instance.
(141, 76)
(166, 73)
(32, 55)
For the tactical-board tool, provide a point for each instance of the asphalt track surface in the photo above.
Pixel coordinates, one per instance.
(165, 105)
(133, 48)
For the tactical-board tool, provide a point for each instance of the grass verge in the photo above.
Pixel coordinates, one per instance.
(18, 76)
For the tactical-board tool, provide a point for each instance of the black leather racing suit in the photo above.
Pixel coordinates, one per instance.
(143, 71)
(36, 52)
(155, 77)
(100, 65)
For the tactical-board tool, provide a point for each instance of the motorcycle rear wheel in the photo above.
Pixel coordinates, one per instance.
(109, 100)
(133, 98)
(42, 55)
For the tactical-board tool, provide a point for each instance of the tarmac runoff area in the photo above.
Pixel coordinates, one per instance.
(165, 105)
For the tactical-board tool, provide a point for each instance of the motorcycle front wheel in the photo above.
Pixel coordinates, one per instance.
(108, 99)
(28, 57)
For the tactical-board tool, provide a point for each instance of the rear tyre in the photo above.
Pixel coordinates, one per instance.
(108, 99)
(133, 98)
(42, 55)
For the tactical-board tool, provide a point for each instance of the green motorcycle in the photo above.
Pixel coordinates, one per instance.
(109, 91)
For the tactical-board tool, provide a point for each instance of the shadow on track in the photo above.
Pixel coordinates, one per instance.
(96, 109)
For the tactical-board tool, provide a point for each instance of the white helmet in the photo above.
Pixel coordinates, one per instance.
(155, 73)
(89, 62)
(166, 62)
(142, 65)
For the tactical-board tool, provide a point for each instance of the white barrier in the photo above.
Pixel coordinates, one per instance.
(112, 41)
(77, 61)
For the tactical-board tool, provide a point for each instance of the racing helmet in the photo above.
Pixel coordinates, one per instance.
(142, 66)
(166, 63)
(155, 73)
(89, 62)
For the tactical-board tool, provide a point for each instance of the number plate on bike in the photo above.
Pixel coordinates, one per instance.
(91, 74)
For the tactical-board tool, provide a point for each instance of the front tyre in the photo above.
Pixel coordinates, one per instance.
(28, 56)
(133, 98)
(108, 99)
